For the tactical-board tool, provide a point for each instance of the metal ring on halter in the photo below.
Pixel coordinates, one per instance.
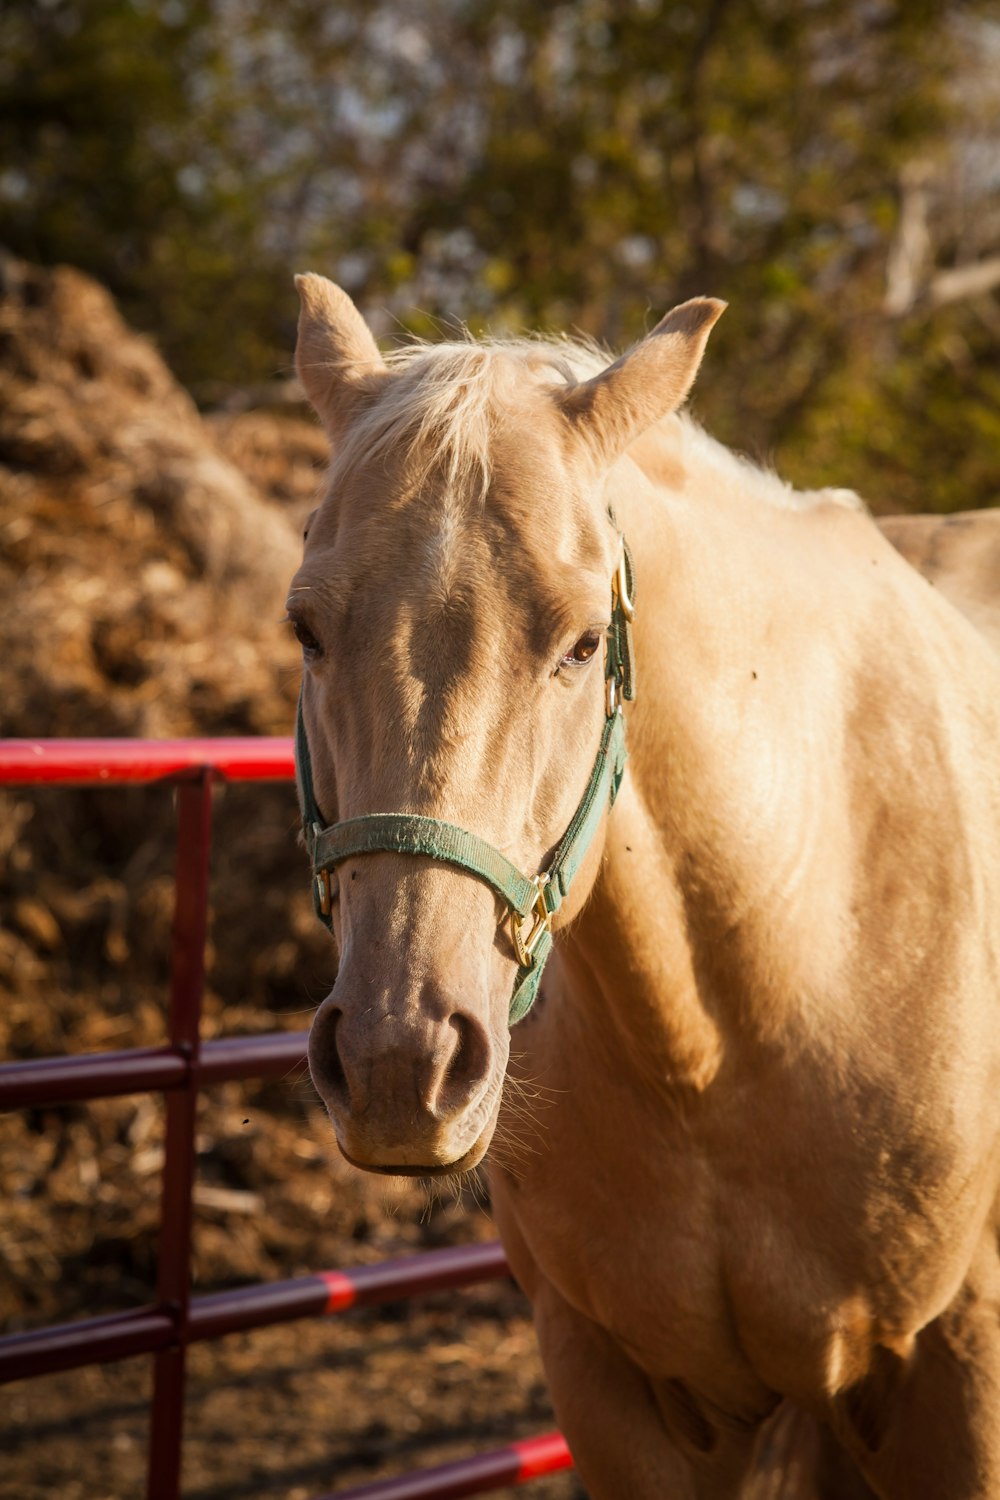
(541, 923)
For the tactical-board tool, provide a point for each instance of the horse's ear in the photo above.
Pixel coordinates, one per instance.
(337, 360)
(647, 383)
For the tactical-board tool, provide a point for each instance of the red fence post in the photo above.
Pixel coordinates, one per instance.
(194, 833)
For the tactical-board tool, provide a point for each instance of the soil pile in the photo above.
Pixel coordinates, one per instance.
(282, 456)
(143, 574)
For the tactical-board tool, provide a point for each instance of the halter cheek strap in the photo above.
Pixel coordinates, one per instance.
(535, 900)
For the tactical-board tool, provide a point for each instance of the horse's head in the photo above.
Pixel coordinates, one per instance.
(452, 606)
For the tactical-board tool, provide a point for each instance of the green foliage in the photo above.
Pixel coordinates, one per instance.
(511, 164)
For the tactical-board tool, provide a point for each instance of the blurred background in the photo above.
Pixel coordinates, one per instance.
(830, 167)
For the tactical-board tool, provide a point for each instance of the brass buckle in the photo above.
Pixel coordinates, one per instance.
(322, 879)
(541, 923)
(619, 588)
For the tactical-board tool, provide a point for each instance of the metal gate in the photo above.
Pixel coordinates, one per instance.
(179, 1069)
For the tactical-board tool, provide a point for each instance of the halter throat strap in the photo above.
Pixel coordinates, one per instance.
(536, 899)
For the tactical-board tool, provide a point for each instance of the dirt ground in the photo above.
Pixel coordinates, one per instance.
(144, 553)
(289, 1412)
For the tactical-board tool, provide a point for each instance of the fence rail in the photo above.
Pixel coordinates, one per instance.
(89, 1341)
(133, 762)
(178, 1070)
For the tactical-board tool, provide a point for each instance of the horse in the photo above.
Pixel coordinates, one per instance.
(584, 691)
(959, 554)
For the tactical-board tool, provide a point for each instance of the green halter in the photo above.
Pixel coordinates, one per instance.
(408, 833)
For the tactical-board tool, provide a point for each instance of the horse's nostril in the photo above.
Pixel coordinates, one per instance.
(324, 1059)
(466, 1069)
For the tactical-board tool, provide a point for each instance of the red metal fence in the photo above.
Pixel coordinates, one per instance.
(178, 1070)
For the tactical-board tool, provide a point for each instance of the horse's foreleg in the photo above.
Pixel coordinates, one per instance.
(633, 1438)
(930, 1426)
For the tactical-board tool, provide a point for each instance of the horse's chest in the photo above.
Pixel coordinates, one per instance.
(647, 1257)
(715, 1263)
(635, 1249)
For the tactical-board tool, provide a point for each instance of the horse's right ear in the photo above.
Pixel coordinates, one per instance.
(337, 360)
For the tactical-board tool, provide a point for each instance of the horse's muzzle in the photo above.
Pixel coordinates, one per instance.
(407, 1095)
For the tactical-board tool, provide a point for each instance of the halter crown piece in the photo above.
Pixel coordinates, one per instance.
(531, 900)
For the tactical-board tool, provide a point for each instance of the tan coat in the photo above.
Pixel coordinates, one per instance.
(745, 1161)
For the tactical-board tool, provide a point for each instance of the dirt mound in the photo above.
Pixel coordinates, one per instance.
(282, 456)
(144, 574)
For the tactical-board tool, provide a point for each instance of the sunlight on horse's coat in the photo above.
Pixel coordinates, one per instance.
(747, 1147)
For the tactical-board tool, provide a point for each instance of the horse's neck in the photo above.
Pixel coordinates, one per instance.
(748, 609)
(707, 847)
(632, 988)
(677, 455)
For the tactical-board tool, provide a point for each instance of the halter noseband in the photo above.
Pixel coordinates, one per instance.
(537, 899)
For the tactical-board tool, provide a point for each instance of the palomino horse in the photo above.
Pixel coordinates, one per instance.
(747, 1156)
(960, 555)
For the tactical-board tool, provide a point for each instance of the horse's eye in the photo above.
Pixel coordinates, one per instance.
(310, 645)
(585, 648)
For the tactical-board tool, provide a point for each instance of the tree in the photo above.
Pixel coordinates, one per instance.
(825, 167)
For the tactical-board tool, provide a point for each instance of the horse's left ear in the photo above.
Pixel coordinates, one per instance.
(337, 360)
(647, 383)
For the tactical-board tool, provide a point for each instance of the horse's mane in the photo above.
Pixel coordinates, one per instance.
(698, 451)
(445, 405)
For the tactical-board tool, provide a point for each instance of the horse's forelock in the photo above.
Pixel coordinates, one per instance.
(444, 404)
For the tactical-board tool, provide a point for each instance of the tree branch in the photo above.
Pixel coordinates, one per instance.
(910, 251)
(911, 283)
(972, 280)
